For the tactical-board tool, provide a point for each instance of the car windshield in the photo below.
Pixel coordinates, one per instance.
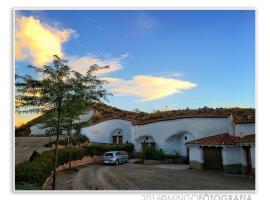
(108, 154)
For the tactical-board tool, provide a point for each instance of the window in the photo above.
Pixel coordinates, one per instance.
(108, 154)
(185, 137)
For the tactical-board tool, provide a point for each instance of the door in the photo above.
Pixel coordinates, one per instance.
(187, 155)
(212, 158)
(114, 139)
(120, 139)
(248, 160)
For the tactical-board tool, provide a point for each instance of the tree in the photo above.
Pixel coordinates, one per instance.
(57, 91)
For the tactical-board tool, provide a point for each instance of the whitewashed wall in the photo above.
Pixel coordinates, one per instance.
(195, 154)
(243, 160)
(37, 130)
(102, 132)
(231, 155)
(244, 129)
(194, 128)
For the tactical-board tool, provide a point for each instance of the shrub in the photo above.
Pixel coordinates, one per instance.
(35, 171)
(26, 186)
(149, 152)
(35, 154)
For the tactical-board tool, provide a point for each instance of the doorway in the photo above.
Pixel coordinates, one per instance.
(248, 167)
(212, 158)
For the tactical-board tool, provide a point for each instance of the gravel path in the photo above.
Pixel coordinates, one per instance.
(149, 177)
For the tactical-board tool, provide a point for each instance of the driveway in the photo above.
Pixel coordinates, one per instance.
(149, 177)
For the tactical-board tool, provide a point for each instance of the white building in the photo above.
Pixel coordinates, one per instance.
(219, 142)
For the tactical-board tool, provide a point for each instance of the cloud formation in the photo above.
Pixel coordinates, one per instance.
(37, 42)
(81, 64)
(148, 88)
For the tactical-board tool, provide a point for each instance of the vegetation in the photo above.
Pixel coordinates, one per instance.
(81, 139)
(34, 155)
(32, 174)
(149, 152)
(61, 95)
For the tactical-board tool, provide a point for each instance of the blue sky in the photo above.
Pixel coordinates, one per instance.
(204, 58)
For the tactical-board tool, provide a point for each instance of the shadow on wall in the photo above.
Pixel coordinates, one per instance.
(177, 143)
(146, 140)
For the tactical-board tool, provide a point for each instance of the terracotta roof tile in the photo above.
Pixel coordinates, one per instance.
(247, 138)
(223, 139)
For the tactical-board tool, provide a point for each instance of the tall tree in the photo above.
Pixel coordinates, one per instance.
(58, 88)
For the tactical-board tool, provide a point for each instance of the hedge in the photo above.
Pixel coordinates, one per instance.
(149, 152)
(36, 171)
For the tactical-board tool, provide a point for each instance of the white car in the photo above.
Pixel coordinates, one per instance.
(114, 157)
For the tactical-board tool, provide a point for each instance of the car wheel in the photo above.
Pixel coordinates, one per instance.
(116, 162)
(127, 160)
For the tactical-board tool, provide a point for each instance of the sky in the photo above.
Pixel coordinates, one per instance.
(159, 59)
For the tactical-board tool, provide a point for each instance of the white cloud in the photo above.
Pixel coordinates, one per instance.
(148, 88)
(81, 64)
(37, 42)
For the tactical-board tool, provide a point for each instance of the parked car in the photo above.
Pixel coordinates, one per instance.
(114, 157)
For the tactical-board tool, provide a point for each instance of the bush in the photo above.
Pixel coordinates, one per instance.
(35, 154)
(26, 186)
(149, 152)
(35, 171)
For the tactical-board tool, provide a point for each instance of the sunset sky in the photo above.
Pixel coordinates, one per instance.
(157, 59)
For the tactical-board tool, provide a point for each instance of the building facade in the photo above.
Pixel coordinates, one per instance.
(211, 142)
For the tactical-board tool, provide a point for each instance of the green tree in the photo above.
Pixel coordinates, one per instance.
(57, 91)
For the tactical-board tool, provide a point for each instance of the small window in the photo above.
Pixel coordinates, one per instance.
(185, 137)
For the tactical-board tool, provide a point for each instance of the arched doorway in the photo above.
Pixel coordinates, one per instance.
(146, 140)
(177, 144)
(117, 136)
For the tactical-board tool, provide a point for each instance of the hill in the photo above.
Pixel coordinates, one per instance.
(105, 112)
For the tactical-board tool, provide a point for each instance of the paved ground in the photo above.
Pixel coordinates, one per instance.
(149, 177)
(24, 147)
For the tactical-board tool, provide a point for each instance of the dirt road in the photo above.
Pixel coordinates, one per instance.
(149, 177)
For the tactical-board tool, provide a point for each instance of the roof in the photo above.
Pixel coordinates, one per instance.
(223, 139)
(247, 138)
(177, 117)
